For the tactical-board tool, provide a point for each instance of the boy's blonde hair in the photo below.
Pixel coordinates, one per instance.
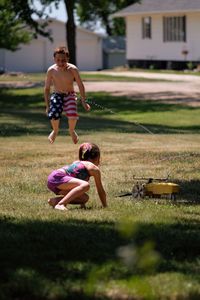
(61, 50)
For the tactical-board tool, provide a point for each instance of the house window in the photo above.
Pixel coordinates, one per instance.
(146, 28)
(174, 29)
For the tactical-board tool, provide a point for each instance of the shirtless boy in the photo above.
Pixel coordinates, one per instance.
(62, 75)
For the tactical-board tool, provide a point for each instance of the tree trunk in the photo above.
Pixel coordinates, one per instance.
(71, 31)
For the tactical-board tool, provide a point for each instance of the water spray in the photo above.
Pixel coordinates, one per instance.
(98, 106)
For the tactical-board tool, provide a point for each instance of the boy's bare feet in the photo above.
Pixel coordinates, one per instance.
(74, 137)
(52, 137)
(60, 207)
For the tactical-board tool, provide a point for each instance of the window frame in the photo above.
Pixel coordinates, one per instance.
(147, 27)
(174, 29)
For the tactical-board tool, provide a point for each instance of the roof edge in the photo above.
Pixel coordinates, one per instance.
(126, 14)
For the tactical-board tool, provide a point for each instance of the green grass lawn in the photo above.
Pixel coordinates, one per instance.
(134, 249)
(39, 77)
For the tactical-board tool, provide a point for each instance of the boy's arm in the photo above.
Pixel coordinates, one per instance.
(101, 192)
(47, 88)
(81, 88)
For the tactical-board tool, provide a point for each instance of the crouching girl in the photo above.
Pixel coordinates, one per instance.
(72, 181)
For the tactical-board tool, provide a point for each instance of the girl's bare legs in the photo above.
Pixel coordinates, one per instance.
(55, 126)
(76, 190)
(72, 132)
(53, 201)
(80, 200)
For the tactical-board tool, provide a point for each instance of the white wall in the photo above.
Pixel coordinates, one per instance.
(89, 51)
(38, 55)
(29, 59)
(194, 36)
(59, 39)
(155, 48)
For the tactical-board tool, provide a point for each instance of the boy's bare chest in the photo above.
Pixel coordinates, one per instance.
(65, 75)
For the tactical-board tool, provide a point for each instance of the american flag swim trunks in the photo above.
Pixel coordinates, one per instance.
(70, 105)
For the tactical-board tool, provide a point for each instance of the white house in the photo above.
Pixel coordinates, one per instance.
(37, 56)
(162, 33)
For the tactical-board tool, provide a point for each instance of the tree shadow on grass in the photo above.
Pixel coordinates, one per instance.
(178, 244)
(106, 124)
(36, 123)
(118, 104)
(15, 100)
(50, 260)
(25, 115)
(101, 102)
(38, 257)
(190, 190)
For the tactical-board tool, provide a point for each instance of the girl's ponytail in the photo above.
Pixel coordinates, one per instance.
(88, 151)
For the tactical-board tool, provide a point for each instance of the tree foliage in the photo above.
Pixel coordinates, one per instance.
(12, 31)
(17, 24)
(89, 12)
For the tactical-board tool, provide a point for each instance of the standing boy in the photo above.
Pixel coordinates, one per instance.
(62, 76)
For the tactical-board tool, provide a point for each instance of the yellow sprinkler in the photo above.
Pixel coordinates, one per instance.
(155, 188)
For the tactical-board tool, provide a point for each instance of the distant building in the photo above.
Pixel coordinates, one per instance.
(114, 52)
(162, 33)
(37, 56)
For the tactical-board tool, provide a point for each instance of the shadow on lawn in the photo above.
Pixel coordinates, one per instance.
(48, 260)
(36, 123)
(25, 111)
(52, 260)
(190, 190)
(9, 99)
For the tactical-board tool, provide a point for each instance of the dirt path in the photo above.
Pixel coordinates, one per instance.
(187, 93)
(181, 89)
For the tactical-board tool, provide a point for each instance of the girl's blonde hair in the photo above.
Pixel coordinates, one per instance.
(88, 151)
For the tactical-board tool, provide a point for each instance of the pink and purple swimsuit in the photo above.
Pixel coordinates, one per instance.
(76, 170)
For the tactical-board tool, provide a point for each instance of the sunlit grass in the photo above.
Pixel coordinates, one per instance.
(32, 224)
(40, 77)
(29, 224)
(47, 254)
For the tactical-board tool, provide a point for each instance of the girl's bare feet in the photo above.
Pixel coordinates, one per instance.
(52, 137)
(53, 201)
(60, 207)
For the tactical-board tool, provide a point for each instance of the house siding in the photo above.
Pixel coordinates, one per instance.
(89, 51)
(155, 49)
(194, 37)
(30, 58)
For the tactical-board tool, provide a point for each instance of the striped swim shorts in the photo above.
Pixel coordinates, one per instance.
(60, 102)
(70, 105)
